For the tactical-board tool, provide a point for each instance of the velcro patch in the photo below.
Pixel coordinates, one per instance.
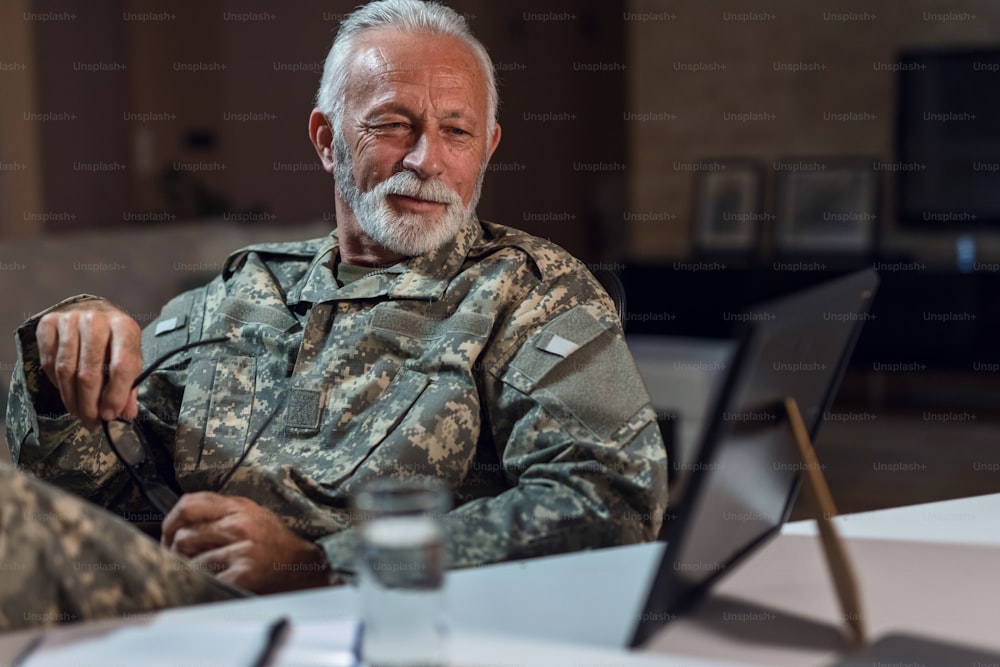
(575, 391)
(304, 407)
(560, 346)
(171, 324)
(389, 317)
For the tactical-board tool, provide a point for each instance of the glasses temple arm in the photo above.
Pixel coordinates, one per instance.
(183, 348)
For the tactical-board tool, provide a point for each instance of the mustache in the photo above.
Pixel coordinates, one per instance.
(407, 184)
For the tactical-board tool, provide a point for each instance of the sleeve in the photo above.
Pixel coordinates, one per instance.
(578, 441)
(52, 445)
(42, 437)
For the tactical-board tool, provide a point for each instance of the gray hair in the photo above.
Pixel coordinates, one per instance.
(403, 15)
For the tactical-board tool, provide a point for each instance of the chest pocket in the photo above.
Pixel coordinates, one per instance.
(216, 412)
(226, 398)
(354, 437)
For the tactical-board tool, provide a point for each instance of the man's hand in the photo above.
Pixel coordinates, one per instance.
(243, 544)
(91, 352)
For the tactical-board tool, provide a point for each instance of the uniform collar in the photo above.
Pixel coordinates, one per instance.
(318, 284)
(427, 276)
(422, 277)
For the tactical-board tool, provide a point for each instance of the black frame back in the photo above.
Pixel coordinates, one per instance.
(797, 346)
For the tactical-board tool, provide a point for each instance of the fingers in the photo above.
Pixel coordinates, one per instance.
(47, 335)
(86, 387)
(267, 566)
(191, 513)
(131, 410)
(236, 565)
(226, 562)
(192, 541)
(66, 358)
(124, 365)
(91, 353)
(243, 543)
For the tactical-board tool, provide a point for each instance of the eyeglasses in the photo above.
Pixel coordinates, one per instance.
(136, 455)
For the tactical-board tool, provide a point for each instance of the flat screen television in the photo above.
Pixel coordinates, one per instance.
(948, 139)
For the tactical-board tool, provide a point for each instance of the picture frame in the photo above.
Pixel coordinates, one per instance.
(826, 206)
(727, 207)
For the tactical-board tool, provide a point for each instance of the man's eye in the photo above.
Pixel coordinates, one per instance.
(457, 131)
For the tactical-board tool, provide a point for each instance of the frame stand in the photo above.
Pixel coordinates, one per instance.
(837, 560)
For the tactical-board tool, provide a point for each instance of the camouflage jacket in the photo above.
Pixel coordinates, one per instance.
(496, 363)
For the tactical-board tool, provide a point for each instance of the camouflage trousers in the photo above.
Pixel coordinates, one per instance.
(64, 559)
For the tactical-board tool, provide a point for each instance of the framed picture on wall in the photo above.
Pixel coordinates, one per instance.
(829, 208)
(726, 212)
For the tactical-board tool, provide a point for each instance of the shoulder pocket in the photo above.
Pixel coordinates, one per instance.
(553, 345)
(581, 372)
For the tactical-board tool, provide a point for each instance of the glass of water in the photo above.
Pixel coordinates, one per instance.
(401, 571)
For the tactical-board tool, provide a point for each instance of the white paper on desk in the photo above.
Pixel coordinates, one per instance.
(320, 644)
(206, 644)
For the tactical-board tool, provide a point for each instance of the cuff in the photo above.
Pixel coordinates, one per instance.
(341, 554)
(33, 398)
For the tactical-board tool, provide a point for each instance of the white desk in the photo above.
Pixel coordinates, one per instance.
(778, 608)
(961, 521)
(927, 569)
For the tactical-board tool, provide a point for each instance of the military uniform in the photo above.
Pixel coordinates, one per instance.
(495, 363)
(63, 560)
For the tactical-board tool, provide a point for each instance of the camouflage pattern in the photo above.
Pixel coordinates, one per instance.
(64, 560)
(496, 364)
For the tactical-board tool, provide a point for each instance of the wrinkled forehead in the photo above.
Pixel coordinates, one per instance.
(384, 56)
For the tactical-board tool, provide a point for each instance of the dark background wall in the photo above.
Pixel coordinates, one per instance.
(199, 109)
(820, 81)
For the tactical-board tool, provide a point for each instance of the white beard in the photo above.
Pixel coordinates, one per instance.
(407, 234)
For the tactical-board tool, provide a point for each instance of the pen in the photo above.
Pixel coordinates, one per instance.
(359, 635)
(275, 635)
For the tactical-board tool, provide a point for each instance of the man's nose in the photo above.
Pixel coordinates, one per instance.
(425, 157)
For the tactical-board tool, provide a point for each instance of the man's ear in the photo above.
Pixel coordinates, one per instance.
(494, 142)
(321, 136)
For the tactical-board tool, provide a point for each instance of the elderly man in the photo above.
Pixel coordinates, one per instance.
(414, 340)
